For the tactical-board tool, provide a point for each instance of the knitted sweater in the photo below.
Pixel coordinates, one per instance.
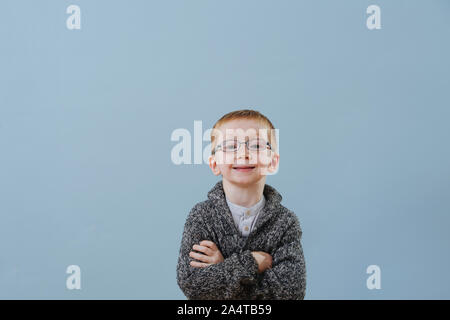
(277, 232)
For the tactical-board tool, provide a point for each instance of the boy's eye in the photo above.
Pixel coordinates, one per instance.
(230, 145)
(256, 144)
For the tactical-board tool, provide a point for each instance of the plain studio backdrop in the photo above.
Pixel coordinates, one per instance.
(86, 117)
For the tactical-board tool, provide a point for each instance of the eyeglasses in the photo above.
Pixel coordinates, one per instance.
(252, 145)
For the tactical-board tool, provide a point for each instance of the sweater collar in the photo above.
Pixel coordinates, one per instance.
(272, 202)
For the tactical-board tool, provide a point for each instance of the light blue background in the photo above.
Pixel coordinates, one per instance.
(86, 117)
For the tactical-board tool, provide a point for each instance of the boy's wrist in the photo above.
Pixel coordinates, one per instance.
(250, 264)
(263, 260)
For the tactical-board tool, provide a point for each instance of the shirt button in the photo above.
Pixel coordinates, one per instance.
(246, 228)
(247, 212)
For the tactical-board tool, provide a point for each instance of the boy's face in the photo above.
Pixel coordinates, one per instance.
(243, 166)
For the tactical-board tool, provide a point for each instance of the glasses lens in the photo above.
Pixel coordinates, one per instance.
(229, 145)
(257, 144)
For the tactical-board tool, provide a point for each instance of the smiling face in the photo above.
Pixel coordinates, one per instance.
(243, 167)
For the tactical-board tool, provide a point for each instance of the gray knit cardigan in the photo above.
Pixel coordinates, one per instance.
(277, 231)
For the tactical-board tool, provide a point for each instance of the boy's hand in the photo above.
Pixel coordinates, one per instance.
(263, 259)
(210, 254)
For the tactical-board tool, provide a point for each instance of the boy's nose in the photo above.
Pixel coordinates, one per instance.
(242, 152)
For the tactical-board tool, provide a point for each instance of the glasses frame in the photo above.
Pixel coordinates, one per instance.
(239, 146)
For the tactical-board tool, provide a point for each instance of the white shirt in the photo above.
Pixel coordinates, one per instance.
(245, 218)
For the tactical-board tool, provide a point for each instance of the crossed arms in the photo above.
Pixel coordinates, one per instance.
(203, 273)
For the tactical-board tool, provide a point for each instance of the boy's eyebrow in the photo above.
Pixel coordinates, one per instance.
(249, 137)
(246, 138)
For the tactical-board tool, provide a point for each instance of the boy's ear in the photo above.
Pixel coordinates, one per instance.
(213, 165)
(274, 163)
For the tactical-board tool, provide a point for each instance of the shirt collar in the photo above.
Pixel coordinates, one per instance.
(216, 196)
(252, 211)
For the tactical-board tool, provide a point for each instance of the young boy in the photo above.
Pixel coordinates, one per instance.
(241, 243)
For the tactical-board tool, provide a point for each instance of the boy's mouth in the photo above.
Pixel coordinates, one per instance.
(243, 168)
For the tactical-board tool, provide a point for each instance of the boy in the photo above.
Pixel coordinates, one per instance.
(241, 243)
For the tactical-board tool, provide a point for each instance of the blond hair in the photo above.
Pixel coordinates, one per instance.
(244, 114)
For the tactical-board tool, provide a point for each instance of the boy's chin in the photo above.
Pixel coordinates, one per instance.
(244, 181)
(257, 173)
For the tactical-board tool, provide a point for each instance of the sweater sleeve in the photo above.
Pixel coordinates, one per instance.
(286, 279)
(217, 281)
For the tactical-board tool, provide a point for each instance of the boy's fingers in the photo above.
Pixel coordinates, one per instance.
(203, 249)
(209, 244)
(199, 256)
(199, 264)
